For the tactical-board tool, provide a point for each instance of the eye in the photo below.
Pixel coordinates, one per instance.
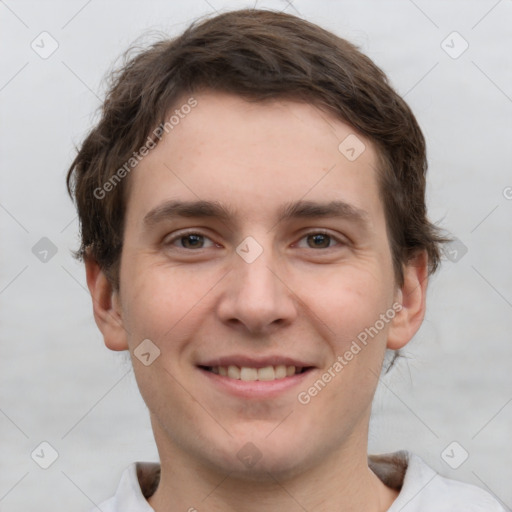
(319, 240)
(195, 240)
(190, 240)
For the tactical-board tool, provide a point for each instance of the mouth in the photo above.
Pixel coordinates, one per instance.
(248, 373)
(255, 378)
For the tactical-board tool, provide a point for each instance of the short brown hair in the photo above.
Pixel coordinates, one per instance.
(258, 55)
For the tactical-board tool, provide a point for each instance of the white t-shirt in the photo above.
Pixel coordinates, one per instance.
(421, 488)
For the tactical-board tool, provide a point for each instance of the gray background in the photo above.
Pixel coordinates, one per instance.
(59, 384)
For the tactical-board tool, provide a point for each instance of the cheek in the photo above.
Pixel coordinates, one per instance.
(349, 308)
(162, 298)
(349, 300)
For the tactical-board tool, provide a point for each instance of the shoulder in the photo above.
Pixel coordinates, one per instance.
(136, 483)
(424, 490)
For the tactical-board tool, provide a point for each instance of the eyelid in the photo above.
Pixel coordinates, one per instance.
(342, 241)
(170, 239)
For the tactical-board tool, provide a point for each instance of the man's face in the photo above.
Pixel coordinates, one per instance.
(298, 266)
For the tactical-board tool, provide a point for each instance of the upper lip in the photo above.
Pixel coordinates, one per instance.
(255, 362)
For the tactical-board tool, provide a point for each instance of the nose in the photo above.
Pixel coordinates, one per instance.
(256, 297)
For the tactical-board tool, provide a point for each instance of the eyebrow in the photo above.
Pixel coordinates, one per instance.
(294, 210)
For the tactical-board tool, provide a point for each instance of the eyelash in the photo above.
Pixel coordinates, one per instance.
(181, 235)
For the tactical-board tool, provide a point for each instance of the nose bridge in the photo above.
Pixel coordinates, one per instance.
(256, 297)
(254, 279)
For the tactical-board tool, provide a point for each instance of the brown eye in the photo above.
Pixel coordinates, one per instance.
(319, 241)
(190, 241)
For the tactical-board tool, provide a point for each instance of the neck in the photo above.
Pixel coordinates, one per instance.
(342, 481)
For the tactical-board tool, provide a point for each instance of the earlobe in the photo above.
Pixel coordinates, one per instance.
(106, 307)
(411, 295)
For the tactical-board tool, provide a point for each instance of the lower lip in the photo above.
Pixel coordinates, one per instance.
(255, 388)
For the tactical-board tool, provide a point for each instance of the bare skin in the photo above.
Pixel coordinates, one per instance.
(319, 281)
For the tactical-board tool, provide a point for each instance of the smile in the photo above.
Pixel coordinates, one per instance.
(245, 373)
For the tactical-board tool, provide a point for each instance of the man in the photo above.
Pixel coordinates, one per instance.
(254, 232)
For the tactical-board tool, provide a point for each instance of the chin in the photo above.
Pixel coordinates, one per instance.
(257, 459)
(269, 468)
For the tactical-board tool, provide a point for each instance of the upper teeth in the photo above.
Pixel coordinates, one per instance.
(246, 373)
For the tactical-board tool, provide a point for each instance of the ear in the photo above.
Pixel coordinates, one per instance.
(411, 295)
(106, 306)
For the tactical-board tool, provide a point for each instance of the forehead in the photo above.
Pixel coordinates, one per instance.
(254, 156)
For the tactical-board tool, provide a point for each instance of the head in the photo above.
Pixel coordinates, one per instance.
(254, 196)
